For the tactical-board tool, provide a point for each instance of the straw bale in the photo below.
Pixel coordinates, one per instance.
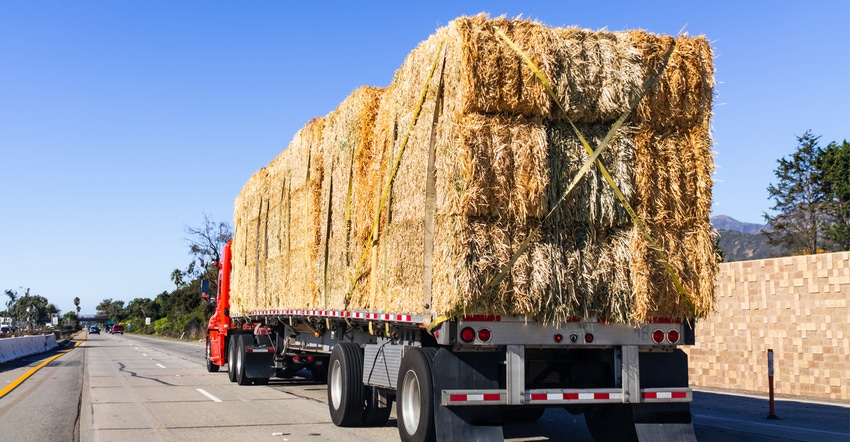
(597, 73)
(347, 130)
(503, 158)
(683, 96)
(503, 168)
(673, 193)
(592, 202)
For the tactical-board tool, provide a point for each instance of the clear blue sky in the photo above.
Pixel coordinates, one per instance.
(123, 122)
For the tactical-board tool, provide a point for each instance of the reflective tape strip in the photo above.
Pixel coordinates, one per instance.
(375, 316)
(667, 395)
(568, 397)
(480, 397)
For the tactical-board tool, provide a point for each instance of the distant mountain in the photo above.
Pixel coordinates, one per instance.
(723, 222)
(738, 246)
(743, 241)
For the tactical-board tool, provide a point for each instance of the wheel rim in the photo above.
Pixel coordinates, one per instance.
(335, 384)
(238, 358)
(410, 402)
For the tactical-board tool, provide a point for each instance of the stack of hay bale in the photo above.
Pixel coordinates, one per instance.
(338, 220)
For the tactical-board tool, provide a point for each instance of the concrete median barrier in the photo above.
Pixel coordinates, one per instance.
(14, 348)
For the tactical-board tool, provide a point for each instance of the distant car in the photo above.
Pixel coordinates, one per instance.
(117, 328)
(94, 329)
(5, 329)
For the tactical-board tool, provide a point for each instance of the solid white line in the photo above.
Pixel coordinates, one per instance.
(160, 365)
(203, 392)
(764, 426)
(765, 397)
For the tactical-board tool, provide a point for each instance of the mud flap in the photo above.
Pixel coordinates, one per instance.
(260, 364)
(656, 432)
(670, 421)
(465, 371)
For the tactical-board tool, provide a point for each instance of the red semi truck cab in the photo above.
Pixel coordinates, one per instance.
(220, 322)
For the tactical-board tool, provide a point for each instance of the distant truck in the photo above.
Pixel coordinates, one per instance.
(470, 374)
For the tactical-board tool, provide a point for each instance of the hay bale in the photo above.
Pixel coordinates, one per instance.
(348, 130)
(503, 157)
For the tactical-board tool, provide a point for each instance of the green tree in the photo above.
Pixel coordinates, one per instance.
(799, 199)
(33, 310)
(116, 311)
(142, 308)
(71, 319)
(205, 245)
(177, 278)
(834, 162)
(104, 306)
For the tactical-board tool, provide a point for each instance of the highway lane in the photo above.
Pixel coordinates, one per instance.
(45, 406)
(133, 388)
(717, 417)
(140, 389)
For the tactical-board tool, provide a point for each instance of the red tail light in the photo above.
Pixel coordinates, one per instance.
(658, 336)
(484, 335)
(467, 334)
(673, 336)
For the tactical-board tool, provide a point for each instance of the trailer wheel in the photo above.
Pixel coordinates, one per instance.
(346, 393)
(374, 415)
(239, 360)
(415, 396)
(231, 357)
(611, 422)
(212, 368)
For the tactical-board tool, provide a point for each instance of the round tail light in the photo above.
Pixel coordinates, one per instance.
(467, 334)
(658, 336)
(673, 336)
(588, 338)
(484, 335)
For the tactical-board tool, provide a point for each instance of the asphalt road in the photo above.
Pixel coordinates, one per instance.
(130, 388)
(46, 405)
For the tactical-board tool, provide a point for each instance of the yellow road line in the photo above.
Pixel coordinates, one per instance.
(32, 371)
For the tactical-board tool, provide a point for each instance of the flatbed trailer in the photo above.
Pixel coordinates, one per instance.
(466, 376)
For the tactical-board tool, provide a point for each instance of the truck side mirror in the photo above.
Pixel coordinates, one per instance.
(205, 289)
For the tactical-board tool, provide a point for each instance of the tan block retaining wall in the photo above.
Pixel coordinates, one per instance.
(797, 306)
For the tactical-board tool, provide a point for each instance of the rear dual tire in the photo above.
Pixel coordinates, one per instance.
(346, 393)
(415, 396)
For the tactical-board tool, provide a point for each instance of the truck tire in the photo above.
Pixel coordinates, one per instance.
(231, 357)
(374, 415)
(415, 396)
(346, 393)
(212, 368)
(239, 360)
